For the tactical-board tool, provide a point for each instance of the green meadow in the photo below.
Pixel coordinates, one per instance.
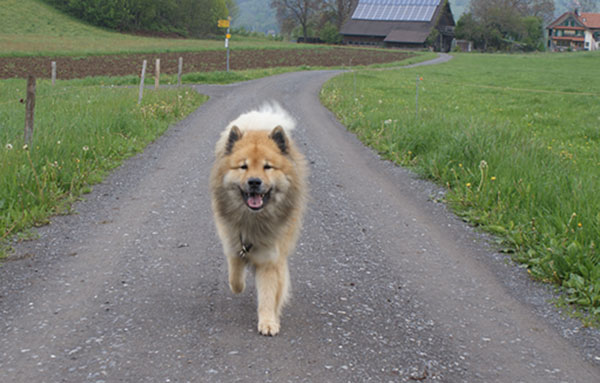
(80, 133)
(31, 27)
(513, 138)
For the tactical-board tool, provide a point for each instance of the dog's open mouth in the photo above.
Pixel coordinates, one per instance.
(256, 201)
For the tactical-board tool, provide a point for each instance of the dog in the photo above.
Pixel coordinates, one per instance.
(259, 191)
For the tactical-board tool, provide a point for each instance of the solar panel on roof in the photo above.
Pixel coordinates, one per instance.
(395, 10)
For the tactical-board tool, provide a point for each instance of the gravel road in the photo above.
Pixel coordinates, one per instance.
(387, 284)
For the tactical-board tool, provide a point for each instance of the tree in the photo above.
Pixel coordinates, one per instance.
(296, 12)
(504, 24)
(467, 28)
(534, 33)
(340, 10)
(185, 17)
(543, 9)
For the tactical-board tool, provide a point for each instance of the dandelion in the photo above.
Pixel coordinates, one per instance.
(460, 165)
(493, 178)
(579, 224)
(8, 146)
(468, 184)
(387, 122)
(86, 148)
(25, 147)
(58, 142)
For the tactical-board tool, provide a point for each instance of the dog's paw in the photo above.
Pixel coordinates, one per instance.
(237, 287)
(268, 327)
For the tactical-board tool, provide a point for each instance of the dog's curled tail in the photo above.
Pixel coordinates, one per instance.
(266, 117)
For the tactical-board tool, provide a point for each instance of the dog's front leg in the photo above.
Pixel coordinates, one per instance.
(237, 273)
(271, 285)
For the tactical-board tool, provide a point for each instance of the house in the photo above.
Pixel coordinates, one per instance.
(412, 24)
(575, 31)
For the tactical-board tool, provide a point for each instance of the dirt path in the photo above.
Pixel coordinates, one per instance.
(387, 285)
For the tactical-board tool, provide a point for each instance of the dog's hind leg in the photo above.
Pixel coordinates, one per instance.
(237, 273)
(272, 284)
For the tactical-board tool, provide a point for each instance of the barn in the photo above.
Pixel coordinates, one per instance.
(412, 24)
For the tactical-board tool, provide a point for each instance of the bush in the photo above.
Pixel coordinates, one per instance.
(330, 34)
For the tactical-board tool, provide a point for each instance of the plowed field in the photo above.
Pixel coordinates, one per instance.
(205, 61)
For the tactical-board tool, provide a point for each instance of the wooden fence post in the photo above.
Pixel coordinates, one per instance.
(179, 71)
(142, 82)
(29, 109)
(157, 75)
(53, 72)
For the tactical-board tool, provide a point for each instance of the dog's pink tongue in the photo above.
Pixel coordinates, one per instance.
(255, 201)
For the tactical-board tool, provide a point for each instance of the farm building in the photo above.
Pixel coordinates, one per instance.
(401, 23)
(575, 31)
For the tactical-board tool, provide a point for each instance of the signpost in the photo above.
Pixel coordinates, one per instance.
(225, 24)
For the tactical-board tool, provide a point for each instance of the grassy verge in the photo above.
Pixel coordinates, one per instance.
(516, 147)
(81, 132)
(32, 27)
(217, 77)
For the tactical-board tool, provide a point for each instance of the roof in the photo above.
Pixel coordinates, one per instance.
(397, 21)
(395, 10)
(587, 20)
(591, 20)
(561, 18)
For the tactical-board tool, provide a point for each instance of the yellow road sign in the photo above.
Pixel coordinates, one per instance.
(223, 23)
(228, 35)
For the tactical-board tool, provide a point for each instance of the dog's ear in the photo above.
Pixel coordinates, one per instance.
(234, 135)
(278, 135)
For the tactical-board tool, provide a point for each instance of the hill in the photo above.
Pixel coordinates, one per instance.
(257, 16)
(31, 27)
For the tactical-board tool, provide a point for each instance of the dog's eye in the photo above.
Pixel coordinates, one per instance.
(244, 167)
(267, 167)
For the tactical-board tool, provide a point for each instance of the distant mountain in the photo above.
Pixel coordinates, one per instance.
(458, 7)
(256, 15)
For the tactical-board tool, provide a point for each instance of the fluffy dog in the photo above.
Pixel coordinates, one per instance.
(259, 186)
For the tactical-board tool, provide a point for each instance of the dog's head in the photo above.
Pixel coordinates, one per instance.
(258, 166)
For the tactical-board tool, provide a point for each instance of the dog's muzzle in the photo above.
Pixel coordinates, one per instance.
(255, 194)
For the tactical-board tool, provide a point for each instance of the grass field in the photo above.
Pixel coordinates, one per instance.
(514, 138)
(81, 132)
(31, 27)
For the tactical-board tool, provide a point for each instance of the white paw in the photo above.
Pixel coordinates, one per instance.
(268, 327)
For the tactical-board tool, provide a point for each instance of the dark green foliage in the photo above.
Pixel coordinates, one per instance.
(184, 17)
(330, 34)
(508, 33)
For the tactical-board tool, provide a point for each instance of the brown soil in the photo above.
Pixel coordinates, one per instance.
(130, 64)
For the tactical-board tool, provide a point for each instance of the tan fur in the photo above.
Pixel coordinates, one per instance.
(273, 230)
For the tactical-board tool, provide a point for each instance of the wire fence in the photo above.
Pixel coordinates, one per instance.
(31, 92)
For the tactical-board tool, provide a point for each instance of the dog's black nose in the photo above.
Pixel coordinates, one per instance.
(254, 183)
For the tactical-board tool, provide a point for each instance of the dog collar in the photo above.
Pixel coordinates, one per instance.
(246, 247)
